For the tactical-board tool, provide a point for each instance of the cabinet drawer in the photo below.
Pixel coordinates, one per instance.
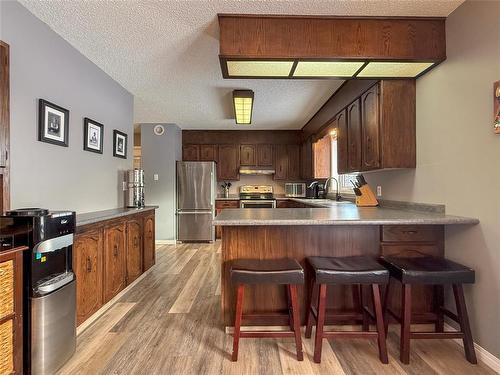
(410, 250)
(7, 288)
(227, 204)
(6, 347)
(412, 233)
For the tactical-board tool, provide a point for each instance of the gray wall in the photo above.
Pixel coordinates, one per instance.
(43, 65)
(159, 154)
(458, 156)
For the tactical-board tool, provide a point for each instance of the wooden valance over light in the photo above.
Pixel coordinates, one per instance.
(310, 47)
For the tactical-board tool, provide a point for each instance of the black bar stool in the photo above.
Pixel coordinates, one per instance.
(357, 270)
(435, 271)
(269, 271)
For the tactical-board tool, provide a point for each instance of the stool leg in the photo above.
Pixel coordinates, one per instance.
(295, 320)
(405, 324)
(290, 307)
(366, 320)
(310, 317)
(237, 321)
(463, 317)
(377, 306)
(387, 300)
(320, 323)
(438, 307)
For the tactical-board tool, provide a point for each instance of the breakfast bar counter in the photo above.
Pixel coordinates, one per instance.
(342, 229)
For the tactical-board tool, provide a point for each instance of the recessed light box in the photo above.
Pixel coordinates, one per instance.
(259, 68)
(383, 69)
(243, 103)
(327, 68)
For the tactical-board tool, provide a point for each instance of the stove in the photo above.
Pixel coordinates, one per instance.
(257, 196)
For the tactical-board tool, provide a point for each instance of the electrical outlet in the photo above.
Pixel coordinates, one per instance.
(124, 185)
(379, 191)
(155, 177)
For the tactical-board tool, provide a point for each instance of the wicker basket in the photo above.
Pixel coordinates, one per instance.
(6, 348)
(6, 288)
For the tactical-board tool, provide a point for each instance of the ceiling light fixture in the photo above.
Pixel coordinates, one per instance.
(243, 106)
(251, 69)
(320, 69)
(394, 69)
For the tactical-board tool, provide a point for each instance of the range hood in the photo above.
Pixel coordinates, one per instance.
(257, 170)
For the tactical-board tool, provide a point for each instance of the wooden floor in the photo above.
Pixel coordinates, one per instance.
(169, 323)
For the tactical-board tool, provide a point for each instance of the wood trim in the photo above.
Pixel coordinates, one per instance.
(4, 127)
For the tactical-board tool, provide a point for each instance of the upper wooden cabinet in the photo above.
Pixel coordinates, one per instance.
(354, 136)
(306, 158)
(247, 155)
(208, 153)
(88, 263)
(134, 250)
(293, 152)
(340, 123)
(322, 157)
(370, 120)
(191, 152)
(280, 162)
(114, 260)
(265, 155)
(228, 167)
(287, 162)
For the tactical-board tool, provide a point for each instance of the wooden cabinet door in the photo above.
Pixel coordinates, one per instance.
(247, 155)
(228, 167)
(265, 155)
(114, 260)
(354, 136)
(370, 129)
(342, 143)
(293, 152)
(280, 162)
(322, 157)
(87, 264)
(306, 160)
(149, 250)
(134, 250)
(191, 152)
(208, 153)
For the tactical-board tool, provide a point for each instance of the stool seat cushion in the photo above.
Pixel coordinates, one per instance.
(428, 270)
(266, 271)
(348, 270)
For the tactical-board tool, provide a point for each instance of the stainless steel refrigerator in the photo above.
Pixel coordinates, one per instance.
(196, 189)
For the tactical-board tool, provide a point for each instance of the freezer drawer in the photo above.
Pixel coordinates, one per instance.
(195, 226)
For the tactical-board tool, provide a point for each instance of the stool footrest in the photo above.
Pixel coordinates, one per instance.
(332, 315)
(270, 334)
(436, 335)
(350, 334)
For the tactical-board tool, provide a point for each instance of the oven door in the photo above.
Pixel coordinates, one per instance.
(256, 203)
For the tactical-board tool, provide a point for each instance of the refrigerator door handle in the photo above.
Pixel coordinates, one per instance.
(194, 212)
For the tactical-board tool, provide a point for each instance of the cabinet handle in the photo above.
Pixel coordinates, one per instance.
(135, 241)
(89, 265)
(115, 250)
(410, 231)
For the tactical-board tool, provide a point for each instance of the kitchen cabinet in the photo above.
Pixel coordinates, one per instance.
(370, 115)
(114, 260)
(280, 162)
(287, 203)
(134, 257)
(219, 206)
(87, 265)
(11, 311)
(191, 152)
(228, 167)
(340, 123)
(208, 153)
(306, 155)
(149, 242)
(354, 136)
(322, 152)
(293, 152)
(4, 127)
(265, 155)
(247, 155)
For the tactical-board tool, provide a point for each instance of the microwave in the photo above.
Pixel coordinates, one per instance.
(295, 189)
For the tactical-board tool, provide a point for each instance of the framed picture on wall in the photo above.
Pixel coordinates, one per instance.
(93, 134)
(119, 144)
(53, 123)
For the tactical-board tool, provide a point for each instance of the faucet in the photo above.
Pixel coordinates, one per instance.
(337, 194)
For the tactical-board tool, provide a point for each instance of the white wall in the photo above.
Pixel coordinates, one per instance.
(43, 65)
(458, 156)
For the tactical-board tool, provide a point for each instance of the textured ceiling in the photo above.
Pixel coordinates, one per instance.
(166, 54)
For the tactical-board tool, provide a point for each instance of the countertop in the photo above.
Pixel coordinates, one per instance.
(231, 197)
(97, 216)
(337, 213)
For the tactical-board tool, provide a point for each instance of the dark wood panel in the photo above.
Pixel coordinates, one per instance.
(266, 36)
(88, 266)
(322, 153)
(190, 152)
(280, 162)
(134, 250)
(265, 155)
(247, 155)
(4, 127)
(293, 152)
(238, 137)
(354, 136)
(370, 129)
(342, 142)
(412, 233)
(228, 167)
(208, 152)
(306, 156)
(227, 204)
(149, 241)
(114, 260)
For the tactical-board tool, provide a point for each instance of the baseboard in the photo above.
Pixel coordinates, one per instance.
(165, 242)
(482, 354)
(86, 324)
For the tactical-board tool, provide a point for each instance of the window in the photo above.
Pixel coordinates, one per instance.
(345, 185)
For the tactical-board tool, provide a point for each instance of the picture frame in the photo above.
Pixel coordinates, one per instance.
(119, 144)
(93, 136)
(53, 123)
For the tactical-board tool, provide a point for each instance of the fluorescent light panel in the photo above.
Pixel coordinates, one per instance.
(383, 69)
(243, 105)
(259, 68)
(327, 68)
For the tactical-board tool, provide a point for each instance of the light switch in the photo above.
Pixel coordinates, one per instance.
(379, 191)
(155, 177)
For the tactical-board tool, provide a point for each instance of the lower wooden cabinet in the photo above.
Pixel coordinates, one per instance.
(87, 264)
(219, 206)
(108, 256)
